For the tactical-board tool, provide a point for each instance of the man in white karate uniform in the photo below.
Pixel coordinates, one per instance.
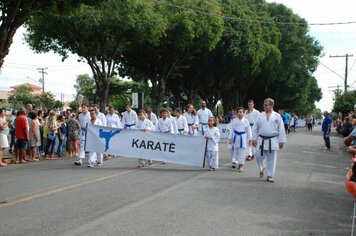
(251, 115)
(268, 135)
(84, 119)
(204, 114)
(100, 115)
(113, 119)
(151, 116)
(129, 118)
(94, 157)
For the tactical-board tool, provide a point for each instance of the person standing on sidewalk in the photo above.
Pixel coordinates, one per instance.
(268, 135)
(326, 128)
(4, 131)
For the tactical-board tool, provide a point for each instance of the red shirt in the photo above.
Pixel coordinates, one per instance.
(20, 125)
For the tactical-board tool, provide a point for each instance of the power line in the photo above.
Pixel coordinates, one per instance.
(346, 70)
(332, 70)
(181, 7)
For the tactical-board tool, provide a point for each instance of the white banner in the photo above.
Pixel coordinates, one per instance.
(224, 132)
(177, 149)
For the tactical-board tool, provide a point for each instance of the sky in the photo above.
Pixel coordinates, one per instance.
(22, 63)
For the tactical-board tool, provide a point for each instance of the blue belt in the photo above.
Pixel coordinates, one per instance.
(202, 127)
(129, 125)
(240, 134)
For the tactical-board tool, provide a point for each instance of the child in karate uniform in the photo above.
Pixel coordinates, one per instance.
(230, 147)
(212, 135)
(240, 133)
(94, 157)
(143, 124)
(182, 123)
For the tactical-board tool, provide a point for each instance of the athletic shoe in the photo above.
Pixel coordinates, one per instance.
(270, 179)
(90, 165)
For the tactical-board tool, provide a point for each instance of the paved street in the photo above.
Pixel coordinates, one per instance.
(54, 197)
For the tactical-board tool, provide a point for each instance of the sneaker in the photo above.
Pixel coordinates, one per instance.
(90, 165)
(270, 179)
(325, 148)
(233, 165)
(99, 164)
(47, 157)
(53, 157)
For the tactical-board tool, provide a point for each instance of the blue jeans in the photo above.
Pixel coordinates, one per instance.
(50, 144)
(326, 139)
(61, 145)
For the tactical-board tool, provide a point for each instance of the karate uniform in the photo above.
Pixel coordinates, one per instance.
(144, 124)
(251, 117)
(102, 118)
(268, 134)
(94, 157)
(164, 125)
(212, 147)
(153, 118)
(240, 134)
(84, 119)
(230, 147)
(192, 120)
(203, 116)
(182, 125)
(113, 121)
(129, 119)
(174, 125)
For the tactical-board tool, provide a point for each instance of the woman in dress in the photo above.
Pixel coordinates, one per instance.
(4, 131)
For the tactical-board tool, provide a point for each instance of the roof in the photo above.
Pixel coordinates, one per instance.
(32, 86)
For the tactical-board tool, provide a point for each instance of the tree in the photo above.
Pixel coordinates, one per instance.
(188, 32)
(15, 13)
(344, 102)
(98, 34)
(22, 96)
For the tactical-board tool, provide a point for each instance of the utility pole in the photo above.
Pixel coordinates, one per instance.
(346, 68)
(42, 71)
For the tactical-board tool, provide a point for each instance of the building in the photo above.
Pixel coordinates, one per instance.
(34, 88)
(3, 96)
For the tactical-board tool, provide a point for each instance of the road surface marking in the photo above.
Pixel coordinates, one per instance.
(65, 188)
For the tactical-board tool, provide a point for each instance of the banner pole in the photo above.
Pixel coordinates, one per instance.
(206, 144)
(85, 141)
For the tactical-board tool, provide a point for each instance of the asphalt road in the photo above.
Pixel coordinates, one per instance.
(53, 197)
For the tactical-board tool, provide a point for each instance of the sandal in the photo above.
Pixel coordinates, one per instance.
(78, 163)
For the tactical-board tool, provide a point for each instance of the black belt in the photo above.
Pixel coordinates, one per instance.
(263, 143)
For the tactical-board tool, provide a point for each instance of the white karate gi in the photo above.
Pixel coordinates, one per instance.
(251, 117)
(240, 136)
(84, 119)
(192, 121)
(269, 133)
(153, 118)
(144, 124)
(212, 147)
(113, 121)
(230, 147)
(102, 118)
(182, 125)
(129, 119)
(164, 125)
(174, 125)
(203, 116)
(94, 157)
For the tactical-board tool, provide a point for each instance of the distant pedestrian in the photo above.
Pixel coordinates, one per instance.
(35, 136)
(326, 128)
(22, 134)
(4, 131)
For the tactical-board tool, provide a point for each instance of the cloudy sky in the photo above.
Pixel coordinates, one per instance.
(21, 64)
